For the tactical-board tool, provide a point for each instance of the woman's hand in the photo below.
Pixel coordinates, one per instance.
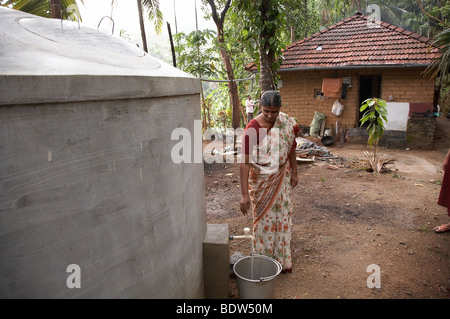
(245, 204)
(244, 169)
(294, 179)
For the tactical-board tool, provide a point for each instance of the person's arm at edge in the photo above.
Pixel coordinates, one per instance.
(244, 170)
(294, 168)
(446, 161)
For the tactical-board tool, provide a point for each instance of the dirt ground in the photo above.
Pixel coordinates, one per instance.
(346, 219)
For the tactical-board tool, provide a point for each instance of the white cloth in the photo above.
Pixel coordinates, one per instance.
(249, 106)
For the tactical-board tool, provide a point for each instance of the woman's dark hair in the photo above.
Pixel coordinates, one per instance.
(271, 98)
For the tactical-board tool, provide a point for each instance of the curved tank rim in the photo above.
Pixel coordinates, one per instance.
(36, 67)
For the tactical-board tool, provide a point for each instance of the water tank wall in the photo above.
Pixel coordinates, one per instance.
(93, 184)
(87, 179)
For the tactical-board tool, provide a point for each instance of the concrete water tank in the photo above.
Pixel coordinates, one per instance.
(91, 203)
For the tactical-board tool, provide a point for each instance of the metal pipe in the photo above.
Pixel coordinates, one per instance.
(241, 237)
(247, 235)
(112, 32)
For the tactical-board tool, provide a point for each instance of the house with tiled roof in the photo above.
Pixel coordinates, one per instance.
(356, 59)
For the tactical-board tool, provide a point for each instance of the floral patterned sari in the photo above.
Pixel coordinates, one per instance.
(269, 190)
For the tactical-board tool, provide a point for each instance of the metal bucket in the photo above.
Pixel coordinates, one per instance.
(255, 276)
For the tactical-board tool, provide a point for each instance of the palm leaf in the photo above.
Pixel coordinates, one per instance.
(441, 63)
(39, 7)
(154, 14)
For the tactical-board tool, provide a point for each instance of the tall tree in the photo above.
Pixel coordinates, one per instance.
(265, 21)
(55, 9)
(302, 16)
(219, 20)
(142, 26)
(154, 14)
(419, 16)
(196, 56)
(333, 11)
(268, 46)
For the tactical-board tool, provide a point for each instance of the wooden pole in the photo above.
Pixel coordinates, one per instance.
(174, 59)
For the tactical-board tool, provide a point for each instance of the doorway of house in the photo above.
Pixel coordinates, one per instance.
(369, 86)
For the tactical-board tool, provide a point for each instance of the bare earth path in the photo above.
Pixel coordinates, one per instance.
(346, 219)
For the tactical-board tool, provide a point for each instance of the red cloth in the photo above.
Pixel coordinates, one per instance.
(247, 141)
(444, 195)
(332, 87)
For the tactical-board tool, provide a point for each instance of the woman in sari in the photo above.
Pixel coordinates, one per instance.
(444, 195)
(268, 172)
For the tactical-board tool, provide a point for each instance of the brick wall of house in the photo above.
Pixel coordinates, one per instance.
(297, 91)
(407, 85)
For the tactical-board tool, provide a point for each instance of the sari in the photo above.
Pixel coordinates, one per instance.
(444, 194)
(269, 188)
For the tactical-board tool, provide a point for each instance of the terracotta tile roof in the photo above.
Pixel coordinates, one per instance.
(251, 67)
(357, 41)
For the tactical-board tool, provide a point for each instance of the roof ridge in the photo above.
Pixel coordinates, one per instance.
(326, 29)
(399, 29)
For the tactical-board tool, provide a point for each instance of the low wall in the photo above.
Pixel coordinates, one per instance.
(419, 134)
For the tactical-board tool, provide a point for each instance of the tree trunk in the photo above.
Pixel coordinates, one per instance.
(358, 4)
(202, 96)
(266, 80)
(174, 58)
(208, 108)
(232, 86)
(55, 9)
(292, 34)
(266, 54)
(141, 23)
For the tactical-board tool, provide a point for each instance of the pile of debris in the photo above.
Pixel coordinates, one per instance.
(308, 151)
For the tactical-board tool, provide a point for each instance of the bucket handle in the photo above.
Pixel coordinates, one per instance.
(261, 279)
